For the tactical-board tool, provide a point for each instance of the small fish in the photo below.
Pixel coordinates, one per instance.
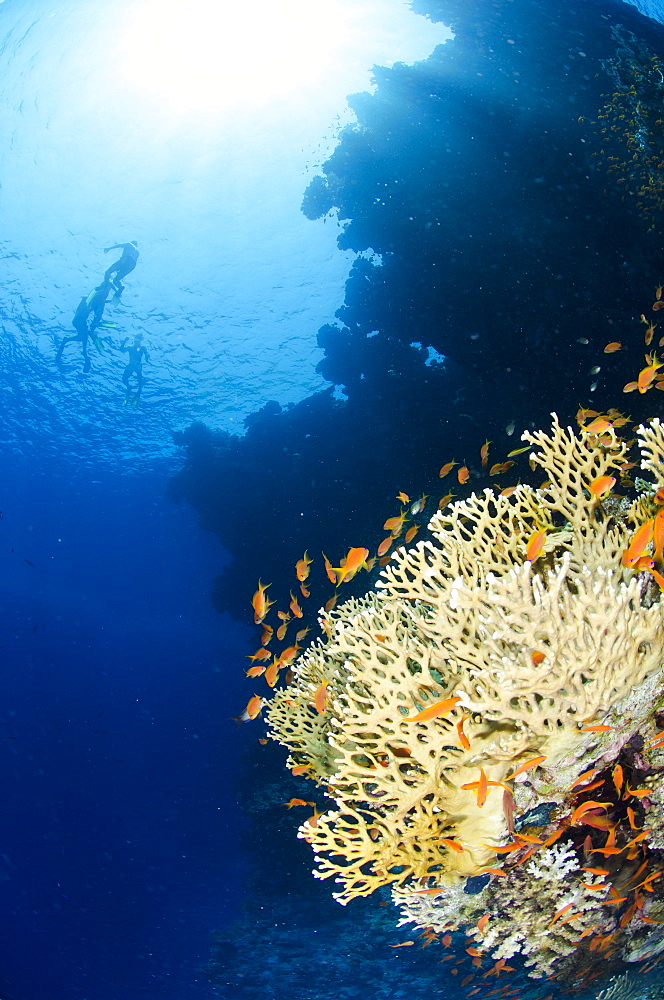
(287, 656)
(658, 293)
(443, 502)
(484, 453)
(256, 670)
(418, 506)
(447, 468)
(615, 345)
(586, 776)
(267, 634)
(641, 538)
(594, 386)
(595, 371)
(452, 844)
(281, 631)
(299, 769)
(587, 807)
(650, 332)
(509, 430)
(302, 567)
(598, 425)
(254, 706)
(482, 922)
(463, 739)
(260, 654)
(603, 484)
(320, 698)
(410, 534)
(304, 591)
(331, 574)
(403, 497)
(436, 710)
(582, 340)
(299, 636)
(534, 762)
(463, 474)
(647, 375)
(403, 944)
(630, 387)
(395, 524)
(294, 606)
(535, 545)
(297, 802)
(260, 603)
(384, 545)
(595, 729)
(272, 673)
(30, 563)
(354, 561)
(537, 657)
(518, 451)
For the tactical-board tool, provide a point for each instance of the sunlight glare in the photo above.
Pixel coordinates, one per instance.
(216, 54)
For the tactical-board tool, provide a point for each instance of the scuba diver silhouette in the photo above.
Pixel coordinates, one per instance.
(93, 303)
(136, 354)
(123, 266)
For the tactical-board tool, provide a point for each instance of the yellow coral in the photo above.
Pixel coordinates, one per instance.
(461, 615)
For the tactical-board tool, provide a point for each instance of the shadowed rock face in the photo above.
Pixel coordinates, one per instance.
(500, 243)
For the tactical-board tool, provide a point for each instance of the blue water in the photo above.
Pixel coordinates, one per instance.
(144, 848)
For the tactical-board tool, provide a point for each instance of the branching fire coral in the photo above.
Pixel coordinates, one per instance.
(480, 706)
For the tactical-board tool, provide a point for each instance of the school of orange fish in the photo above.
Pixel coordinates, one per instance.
(645, 552)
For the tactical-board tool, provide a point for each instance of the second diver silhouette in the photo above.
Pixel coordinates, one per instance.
(136, 354)
(123, 265)
(93, 303)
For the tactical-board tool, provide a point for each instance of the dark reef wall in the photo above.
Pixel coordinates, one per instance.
(494, 236)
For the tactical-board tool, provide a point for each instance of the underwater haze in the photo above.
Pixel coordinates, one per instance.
(345, 241)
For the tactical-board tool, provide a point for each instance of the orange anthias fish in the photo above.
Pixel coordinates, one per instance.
(484, 454)
(329, 569)
(658, 536)
(384, 545)
(403, 497)
(354, 561)
(254, 706)
(410, 534)
(395, 524)
(640, 540)
(534, 762)
(463, 474)
(437, 709)
(260, 603)
(447, 468)
(535, 545)
(601, 485)
(272, 673)
(320, 698)
(294, 606)
(647, 375)
(615, 345)
(587, 807)
(302, 567)
(597, 426)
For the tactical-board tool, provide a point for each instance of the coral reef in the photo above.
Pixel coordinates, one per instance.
(486, 720)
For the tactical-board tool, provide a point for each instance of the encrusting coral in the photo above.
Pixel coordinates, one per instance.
(462, 714)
